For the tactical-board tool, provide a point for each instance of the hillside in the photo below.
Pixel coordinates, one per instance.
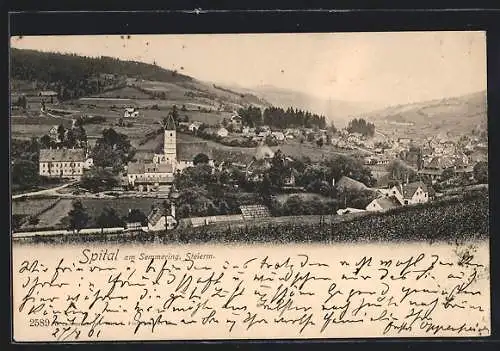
(338, 111)
(452, 116)
(32, 65)
(73, 77)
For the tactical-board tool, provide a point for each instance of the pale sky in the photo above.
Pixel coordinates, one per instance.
(383, 68)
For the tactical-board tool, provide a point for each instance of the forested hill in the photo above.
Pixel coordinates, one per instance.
(80, 75)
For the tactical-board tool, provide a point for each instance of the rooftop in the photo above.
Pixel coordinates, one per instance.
(148, 167)
(388, 203)
(410, 189)
(350, 184)
(170, 122)
(62, 155)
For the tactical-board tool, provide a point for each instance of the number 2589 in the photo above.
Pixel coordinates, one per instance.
(39, 322)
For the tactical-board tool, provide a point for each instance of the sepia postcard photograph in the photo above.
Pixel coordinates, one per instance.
(249, 186)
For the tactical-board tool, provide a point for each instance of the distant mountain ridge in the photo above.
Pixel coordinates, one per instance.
(455, 115)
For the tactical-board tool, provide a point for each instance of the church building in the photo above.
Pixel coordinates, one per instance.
(176, 157)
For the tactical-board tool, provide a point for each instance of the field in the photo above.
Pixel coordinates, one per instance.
(282, 198)
(122, 205)
(465, 217)
(30, 207)
(53, 217)
(456, 116)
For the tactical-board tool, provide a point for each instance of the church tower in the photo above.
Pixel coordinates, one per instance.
(170, 142)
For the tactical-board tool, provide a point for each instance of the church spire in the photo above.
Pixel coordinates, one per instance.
(169, 122)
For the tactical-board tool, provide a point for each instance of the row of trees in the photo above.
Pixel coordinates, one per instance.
(74, 137)
(278, 117)
(360, 125)
(205, 191)
(79, 218)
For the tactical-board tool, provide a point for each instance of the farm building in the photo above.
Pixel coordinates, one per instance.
(222, 132)
(130, 112)
(194, 126)
(407, 194)
(383, 204)
(157, 221)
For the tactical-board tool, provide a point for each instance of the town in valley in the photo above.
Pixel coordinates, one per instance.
(105, 146)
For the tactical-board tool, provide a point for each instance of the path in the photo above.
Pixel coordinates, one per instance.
(51, 191)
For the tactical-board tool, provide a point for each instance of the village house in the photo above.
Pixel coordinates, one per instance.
(435, 168)
(222, 132)
(279, 136)
(194, 126)
(130, 112)
(63, 163)
(404, 141)
(383, 204)
(260, 163)
(407, 194)
(414, 193)
(107, 76)
(130, 81)
(157, 221)
(147, 176)
(47, 94)
(236, 121)
(54, 134)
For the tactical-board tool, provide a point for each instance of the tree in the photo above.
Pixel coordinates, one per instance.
(200, 159)
(135, 215)
(109, 219)
(278, 170)
(401, 171)
(112, 150)
(70, 140)
(24, 174)
(175, 113)
(21, 102)
(46, 142)
(78, 217)
(361, 126)
(481, 172)
(98, 179)
(61, 131)
(448, 174)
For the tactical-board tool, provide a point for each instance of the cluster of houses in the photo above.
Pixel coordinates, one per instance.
(385, 198)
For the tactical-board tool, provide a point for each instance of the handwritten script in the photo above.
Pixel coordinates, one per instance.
(158, 292)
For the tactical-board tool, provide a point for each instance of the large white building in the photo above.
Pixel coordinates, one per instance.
(63, 163)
